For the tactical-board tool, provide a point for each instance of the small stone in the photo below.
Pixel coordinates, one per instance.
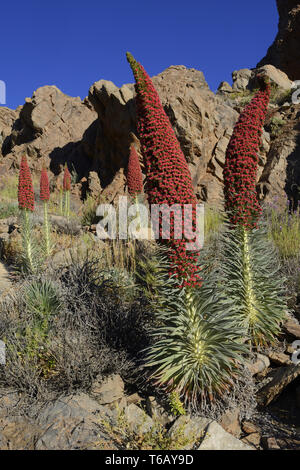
(193, 429)
(224, 87)
(252, 439)
(138, 421)
(108, 390)
(230, 421)
(280, 380)
(279, 358)
(134, 398)
(157, 412)
(250, 428)
(216, 438)
(292, 327)
(241, 79)
(276, 76)
(290, 349)
(72, 423)
(270, 443)
(260, 365)
(94, 186)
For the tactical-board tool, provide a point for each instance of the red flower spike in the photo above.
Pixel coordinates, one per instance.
(134, 173)
(25, 187)
(67, 180)
(241, 161)
(44, 186)
(168, 177)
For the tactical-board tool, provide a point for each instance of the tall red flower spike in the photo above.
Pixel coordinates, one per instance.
(168, 179)
(25, 187)
(67, 180)
(44, 186)
(241, 161)
(134, 173)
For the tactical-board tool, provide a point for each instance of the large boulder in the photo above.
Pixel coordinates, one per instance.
(72, 423)
(216, 438)
(52, 128)
(245, 78)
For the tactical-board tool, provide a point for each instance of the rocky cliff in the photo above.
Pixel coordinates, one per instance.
(285, 51)
(93, 136)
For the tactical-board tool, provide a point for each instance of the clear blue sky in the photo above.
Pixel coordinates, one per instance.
(71, 44)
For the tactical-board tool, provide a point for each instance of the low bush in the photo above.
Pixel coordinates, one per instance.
(61, 334)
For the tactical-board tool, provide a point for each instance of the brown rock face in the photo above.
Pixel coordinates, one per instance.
(285, 51)
(7, 119)
(53, 127)
(280, 177)
(202, 123)
(93, 136)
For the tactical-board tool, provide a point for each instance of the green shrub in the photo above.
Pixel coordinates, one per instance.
(176, 406)
(8, 210)
(213, 220)
(89, 216)
(284, 231)
(276, 125)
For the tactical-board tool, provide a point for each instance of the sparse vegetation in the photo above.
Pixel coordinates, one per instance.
(8, 210)
(276, 125)
(89, 216)
(284, 230)
(158, 438)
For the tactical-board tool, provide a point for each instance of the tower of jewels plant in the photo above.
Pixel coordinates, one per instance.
(197, 350)
(26, 206)
(252, 279)
(168, 179)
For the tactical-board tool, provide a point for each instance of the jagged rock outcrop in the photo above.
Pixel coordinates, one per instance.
(284, 53)
(52, 128)
(202, 123)
(94, 135)
(245, 78)
(7, 119)
(280, 177)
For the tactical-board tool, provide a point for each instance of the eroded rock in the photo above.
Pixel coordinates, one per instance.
(281, 379)
(216, 438)
(108, 390)
(284, 53)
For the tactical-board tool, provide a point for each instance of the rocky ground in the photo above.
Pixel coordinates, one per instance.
(5, 282)
(114, 414)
